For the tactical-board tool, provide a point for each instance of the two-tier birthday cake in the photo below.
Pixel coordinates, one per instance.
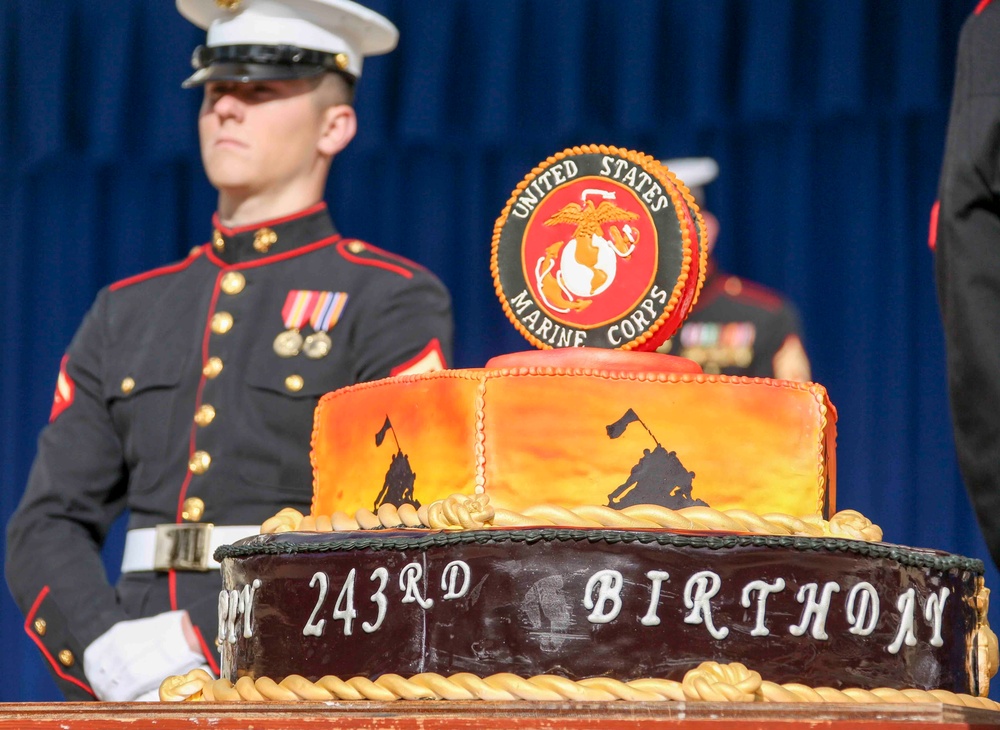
(593, 520)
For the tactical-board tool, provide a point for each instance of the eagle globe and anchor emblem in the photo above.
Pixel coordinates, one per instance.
(570, 274)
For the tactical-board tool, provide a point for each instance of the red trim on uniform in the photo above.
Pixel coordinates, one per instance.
(432, 346)
(273, 222)
(308, 248)
(932, 233)
(342, 250)
(396, 256)
(28, 621)
(981, 7)
(759, 294)
(162, 271)
(213, 665)
(65, 391)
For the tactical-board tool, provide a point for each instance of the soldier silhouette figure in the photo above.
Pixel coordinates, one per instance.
(658, 477)
(397, 488)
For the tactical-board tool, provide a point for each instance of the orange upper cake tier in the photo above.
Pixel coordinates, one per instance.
(576, 428)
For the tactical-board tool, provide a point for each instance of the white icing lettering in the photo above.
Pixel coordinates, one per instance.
(248, 599)
(700, 589)
(344, 609)
(619, 166)
(531, 320)
(609, 584)
(814, 611)
(862, 609)
(658, 294)
(629, 178)
(409, 579)
(521, 302)
(657, 577)
(652, 193)
(449, 579)
(314, 627)
(763, 591)
(639, 318)
(379, 599)
(606, 165)
(933, 613)
(223, 616)
(579, 338)
(565, 337)
(644, 180)
(233, 613)
(904, 635)
(648, 305)
(544, 328)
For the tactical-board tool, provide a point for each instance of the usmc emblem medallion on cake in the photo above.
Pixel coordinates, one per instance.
(599, 247)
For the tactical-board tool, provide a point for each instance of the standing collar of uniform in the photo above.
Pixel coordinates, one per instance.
(260, 241)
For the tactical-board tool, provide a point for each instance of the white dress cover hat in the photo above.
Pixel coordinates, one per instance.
(281, 39)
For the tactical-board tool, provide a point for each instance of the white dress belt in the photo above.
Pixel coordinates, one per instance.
(149, 548)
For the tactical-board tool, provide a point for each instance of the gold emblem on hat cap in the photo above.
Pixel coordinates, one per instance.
(230, 5)
(342, 61)
(264, 239)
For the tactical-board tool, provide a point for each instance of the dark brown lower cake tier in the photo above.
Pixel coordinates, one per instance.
(582, 603)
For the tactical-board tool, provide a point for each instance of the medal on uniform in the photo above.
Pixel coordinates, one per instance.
(325, 315)
(299, 306)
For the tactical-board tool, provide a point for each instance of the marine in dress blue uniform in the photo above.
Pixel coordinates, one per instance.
(187, 395)
(966, 231)
(737, 327)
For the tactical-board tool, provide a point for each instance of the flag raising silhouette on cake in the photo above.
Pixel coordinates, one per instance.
(397, 489)
(658, 477)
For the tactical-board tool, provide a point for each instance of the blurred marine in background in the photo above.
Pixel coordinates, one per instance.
(737, 327)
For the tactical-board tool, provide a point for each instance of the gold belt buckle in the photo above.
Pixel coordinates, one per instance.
(183, 547)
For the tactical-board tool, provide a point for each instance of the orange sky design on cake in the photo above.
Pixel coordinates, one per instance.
(751, 445)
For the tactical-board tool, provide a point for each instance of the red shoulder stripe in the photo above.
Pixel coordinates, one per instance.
(342, 249)
(760, 294)
(395, 256)
(932, 233)
(434, 346)
(28, 621)
(981, 7)
(162, 271)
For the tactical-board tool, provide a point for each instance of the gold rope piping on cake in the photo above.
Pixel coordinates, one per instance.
(708, 682)
(461, 512)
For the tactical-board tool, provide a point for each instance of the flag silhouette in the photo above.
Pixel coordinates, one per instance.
(617, 428)
(380, 436)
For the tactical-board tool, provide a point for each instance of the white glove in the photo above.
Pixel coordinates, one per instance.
(129, 661)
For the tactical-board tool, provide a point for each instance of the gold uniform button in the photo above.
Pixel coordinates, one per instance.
(193, 509)
(294, 383)
(264, 239)
(213, 367)
(222, 322)
(233, 282)
(204, 415)
(218, 242)
(128, 385)
(40, 626)
(194, 251)
(199, 462)
(356, 247)
(66, 658)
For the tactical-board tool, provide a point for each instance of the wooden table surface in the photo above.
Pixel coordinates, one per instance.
(432, 715)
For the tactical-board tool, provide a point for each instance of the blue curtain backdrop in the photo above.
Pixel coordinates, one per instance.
(827, 117)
